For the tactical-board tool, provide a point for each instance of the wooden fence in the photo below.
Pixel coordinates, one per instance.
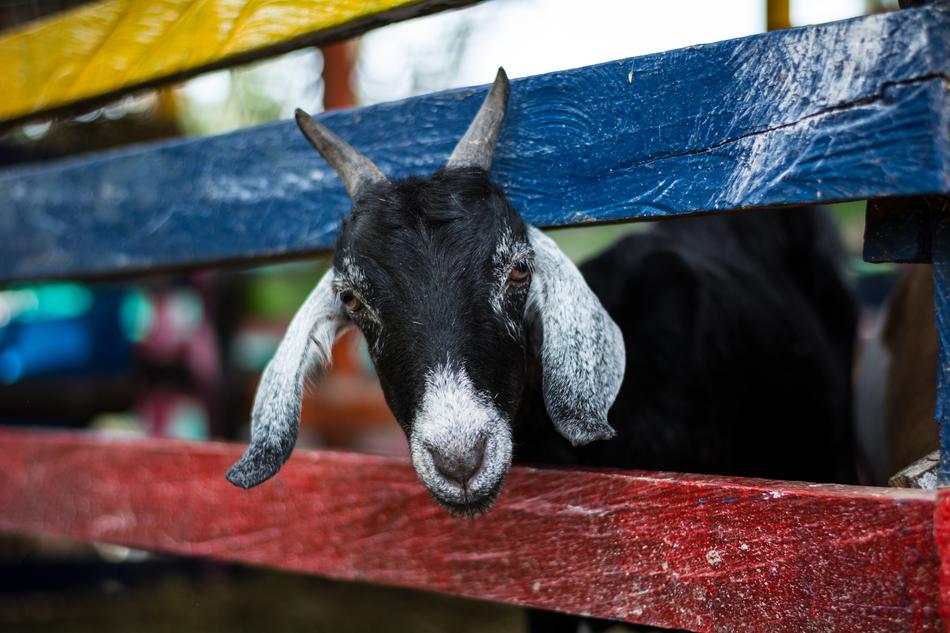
(851, 110)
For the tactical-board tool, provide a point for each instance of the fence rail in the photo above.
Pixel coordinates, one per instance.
(703, 553)
(110, 47)
(816, 114)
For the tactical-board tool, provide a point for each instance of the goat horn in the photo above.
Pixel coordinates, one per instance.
(355, 170)
(478, 145)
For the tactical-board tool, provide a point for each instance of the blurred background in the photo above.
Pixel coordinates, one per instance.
(180, 355)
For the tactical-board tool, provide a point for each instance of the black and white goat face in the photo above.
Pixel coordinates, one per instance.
(436, 273)
(457, 297)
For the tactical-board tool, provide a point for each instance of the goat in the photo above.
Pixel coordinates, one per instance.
(489, 341)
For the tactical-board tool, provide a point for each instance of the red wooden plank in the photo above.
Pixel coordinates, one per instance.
(672, 550)
(942, 532)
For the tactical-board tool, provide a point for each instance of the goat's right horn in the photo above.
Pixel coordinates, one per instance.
(478, 145)
(355, 170)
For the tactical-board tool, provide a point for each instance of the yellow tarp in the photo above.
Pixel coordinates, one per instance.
(113, 45)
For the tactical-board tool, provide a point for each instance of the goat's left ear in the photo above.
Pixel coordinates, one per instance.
(582, 351)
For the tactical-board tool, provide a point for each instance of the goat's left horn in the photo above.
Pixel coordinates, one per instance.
(478, 145)
(355, 170)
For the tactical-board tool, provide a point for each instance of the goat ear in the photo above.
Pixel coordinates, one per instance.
(275, 418)
(581, 348)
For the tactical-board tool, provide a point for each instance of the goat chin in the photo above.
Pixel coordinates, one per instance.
(471, 506)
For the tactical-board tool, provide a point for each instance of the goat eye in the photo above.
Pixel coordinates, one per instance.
(350, 301)
(519, 272)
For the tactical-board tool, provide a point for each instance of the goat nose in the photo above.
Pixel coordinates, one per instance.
(459, 467)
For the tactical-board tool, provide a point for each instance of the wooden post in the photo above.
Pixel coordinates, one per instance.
(941, 272)
(338, 62)
(901, 229)
(917, 229)
(940, 255)
(777, 15)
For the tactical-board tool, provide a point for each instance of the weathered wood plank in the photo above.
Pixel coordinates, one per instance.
(942, 536)
(702, 553)
(941, 273)
(816, 114)
(114, 46)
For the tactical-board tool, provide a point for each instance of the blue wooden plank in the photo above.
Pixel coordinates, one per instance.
(848, 110)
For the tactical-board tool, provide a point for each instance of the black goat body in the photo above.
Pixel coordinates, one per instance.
(739, 333)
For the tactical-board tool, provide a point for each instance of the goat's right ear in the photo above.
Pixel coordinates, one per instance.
(275, 418)
(582, 351)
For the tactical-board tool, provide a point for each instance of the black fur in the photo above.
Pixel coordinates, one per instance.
(739, 333)
(426, 247)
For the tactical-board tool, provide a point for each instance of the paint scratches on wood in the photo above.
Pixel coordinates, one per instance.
(942, 535)
(112, 46)
(703, 553)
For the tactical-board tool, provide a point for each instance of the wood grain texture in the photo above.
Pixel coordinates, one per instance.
(703, 553)
(114, 46)
(815, 114)
(941, 278)
(942, 536)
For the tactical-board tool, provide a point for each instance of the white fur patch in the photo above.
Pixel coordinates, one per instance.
(508, 252)
(582, 350)
(454, 419)
(352, 274)
(352, 278)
